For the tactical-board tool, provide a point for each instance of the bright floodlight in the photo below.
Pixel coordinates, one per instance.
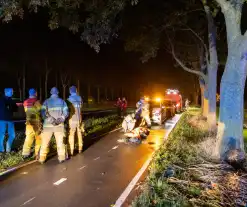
(158, 99)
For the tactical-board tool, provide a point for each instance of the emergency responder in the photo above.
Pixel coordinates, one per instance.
(124, 106)
(119, 105)
(138, 111)
(145, 114)
(187, 102)
(54, 112)
(75, 119)
(7, 108)
(32, 108)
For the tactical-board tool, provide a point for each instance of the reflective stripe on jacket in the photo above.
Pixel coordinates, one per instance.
(56, 108)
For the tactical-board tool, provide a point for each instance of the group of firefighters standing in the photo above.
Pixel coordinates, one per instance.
(42, 122)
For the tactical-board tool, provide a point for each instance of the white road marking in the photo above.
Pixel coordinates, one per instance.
(82, 167)
(132, 184)
(60, 181)
(120, 201)
(28, 201)
(113, 148)
(97, 158)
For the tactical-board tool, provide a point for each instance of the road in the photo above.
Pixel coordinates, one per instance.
(93, 179)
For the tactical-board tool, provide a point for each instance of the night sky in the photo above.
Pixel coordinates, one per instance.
(30, 42)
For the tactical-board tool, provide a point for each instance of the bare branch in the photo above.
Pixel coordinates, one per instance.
(199, 73)
(202, 42)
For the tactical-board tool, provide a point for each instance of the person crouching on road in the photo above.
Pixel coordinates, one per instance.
(32, 108)
(75, 119)
(54, 112)
(7, 108)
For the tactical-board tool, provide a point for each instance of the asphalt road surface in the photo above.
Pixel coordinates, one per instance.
(95, 178)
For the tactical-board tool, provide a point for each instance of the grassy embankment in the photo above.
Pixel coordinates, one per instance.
(180, 176)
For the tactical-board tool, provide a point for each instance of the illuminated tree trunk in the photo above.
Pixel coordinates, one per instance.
(211, 89)
(230, 127)
(212, 69)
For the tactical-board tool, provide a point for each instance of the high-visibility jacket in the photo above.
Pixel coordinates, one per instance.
(75, 109)
(56, 108)
(32, 108)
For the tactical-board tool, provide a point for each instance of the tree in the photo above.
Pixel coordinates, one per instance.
(65, 80)
(177, 25)
(47, 72)
(230, 128)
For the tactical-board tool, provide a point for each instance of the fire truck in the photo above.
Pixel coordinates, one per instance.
(175, 97)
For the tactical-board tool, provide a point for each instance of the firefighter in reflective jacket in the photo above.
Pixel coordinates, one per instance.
(32, 108)
(54, 112)
(145, 114)
(75, 119)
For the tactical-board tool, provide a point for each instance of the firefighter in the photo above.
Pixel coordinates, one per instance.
(145, 114)
(138, 111)
(54, 112)
(124, 106)
(7, 108)
(32, 108)
(119, 105)
(75, 119)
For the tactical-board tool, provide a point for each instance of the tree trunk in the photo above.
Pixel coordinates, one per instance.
(56, 79)
(46, 84)
(64, 92)
(211, 89)
(112, 94)
(78, 86)
(106, 95)
(230, 127)
(40, 88)
(98, 95)
(212, 70)
(24, 82)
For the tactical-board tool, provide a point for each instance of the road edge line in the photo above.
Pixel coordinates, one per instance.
(120, 201)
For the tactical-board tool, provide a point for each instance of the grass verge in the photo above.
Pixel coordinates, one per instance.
(180, 177)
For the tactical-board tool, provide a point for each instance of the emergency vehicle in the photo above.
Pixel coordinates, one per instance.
(175, 97)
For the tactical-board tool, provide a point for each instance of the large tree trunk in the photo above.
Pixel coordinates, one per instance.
(212, 70)
(230, 128)
(211, 89)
